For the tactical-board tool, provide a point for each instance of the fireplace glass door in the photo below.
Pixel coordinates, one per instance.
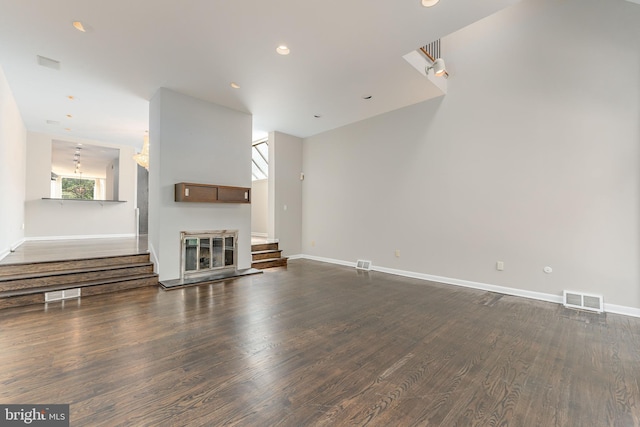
(205, 252)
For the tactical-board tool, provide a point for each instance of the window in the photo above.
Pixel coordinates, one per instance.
(260, 160)
(69, 187)
(78, 188)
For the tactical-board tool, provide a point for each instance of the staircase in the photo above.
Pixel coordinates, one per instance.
(40, 282)
(267, 255)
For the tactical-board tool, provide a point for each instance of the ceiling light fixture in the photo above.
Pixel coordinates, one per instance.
(78, 25)
(76, 160)
(142, 158)
(429, 3)
(283, 50)
(234, 85)
(438, 68)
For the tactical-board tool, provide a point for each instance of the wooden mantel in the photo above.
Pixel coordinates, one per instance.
(211, 193)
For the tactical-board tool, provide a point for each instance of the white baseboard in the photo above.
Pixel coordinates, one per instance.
(16, 245)
(297, 256)
(12, 248)
(621, 309)
(540, 296)
(154, 258)
(80, 237)
(329, 260)
(474, 285)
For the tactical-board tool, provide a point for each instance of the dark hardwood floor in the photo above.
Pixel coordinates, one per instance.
(318, 344)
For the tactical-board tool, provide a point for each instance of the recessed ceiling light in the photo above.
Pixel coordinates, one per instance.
(429, 3)
(317, 116)
(367, 97)
(78, 25)
(71, 97)
(235, 85)
(283, 50)
(69, 116)
(67, 129)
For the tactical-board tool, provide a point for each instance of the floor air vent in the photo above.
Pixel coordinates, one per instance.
(60, 295)
(363, 265)
(583, 301)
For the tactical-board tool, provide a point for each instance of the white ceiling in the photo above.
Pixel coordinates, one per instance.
(93, 159)
(340, 51)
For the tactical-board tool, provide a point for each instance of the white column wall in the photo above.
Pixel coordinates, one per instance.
(195, 141)
(13, 142)
(285, 192)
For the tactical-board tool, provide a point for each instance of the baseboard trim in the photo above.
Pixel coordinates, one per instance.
(297, 256)
(80, 237)
(540, 296)
(16, 245)
(154, 258)
(12, 248)
(621, 309)
(328, 260)
(474, 285)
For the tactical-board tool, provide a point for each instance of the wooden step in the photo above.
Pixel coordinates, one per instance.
(264, 247)
(72, 278)
(27, 283)
(73, 264)
(269, 263)
(258, 255)
(36, 296)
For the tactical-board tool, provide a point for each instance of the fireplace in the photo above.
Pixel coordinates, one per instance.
(207, 252)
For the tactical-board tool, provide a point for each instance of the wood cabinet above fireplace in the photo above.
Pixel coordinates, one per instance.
(209, 193)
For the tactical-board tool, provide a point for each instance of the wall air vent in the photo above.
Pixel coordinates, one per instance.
(363, 265)
(48, 62)
(583, 301)
(60, 295)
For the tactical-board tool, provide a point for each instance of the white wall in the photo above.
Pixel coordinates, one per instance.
(195, 141)
(13, 138)
(518, 163)
(259, 206)
(54, 219)
(285, 192)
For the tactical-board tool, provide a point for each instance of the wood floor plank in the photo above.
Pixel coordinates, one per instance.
(322, 345)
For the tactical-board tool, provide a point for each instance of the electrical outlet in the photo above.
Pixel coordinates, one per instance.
(397, 253)
(500, 265)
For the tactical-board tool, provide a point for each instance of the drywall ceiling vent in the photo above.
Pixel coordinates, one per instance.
(583, 301)
(60, 295)
(363, 265)
(48, 62)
